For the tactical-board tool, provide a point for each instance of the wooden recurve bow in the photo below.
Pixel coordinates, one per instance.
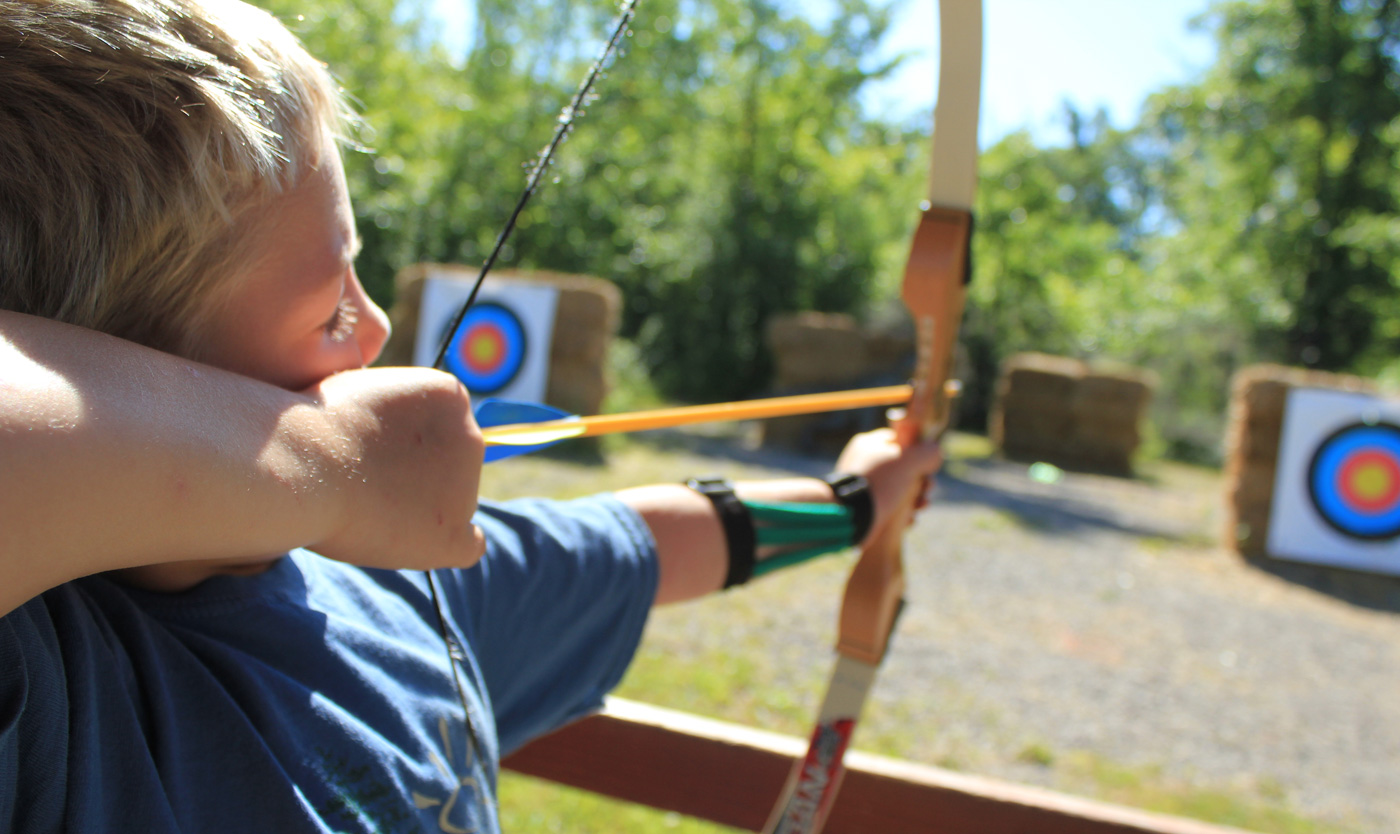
(934, 278)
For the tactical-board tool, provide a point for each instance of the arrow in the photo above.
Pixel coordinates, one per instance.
(512, 428)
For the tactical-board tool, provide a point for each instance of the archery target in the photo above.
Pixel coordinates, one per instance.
(1337, 489)
(1354, 480)
(501, 348)
(489, 349)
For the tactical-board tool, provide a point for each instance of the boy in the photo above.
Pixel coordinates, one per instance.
(169, 174)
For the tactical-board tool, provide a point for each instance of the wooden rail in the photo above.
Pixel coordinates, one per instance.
(731, 775)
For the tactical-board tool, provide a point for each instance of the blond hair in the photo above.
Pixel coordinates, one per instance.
(137, 139)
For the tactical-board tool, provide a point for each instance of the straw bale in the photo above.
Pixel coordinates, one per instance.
(810, 349)
(1254, 428)
(1069, 412)
(829, 352)
(1087, 409)
(1042, 381)
(1125, 396)
(585, 321)
(1107, 430)
(576, 386)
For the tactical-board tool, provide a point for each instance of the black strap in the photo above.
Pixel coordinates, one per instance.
(853, 491)
(739, 533)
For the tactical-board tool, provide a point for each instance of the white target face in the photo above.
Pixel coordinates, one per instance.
(1337, 491)
(501, 348)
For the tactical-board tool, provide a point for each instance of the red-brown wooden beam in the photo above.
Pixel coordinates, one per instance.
(730, 774)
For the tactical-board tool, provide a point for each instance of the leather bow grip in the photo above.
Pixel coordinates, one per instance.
(934, 278)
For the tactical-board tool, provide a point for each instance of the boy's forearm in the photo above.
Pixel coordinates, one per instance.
(115, 455)
(690, 543)
(691, 547)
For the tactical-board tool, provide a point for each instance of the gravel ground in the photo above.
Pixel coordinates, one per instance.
(1095, 620)
(1094, 615)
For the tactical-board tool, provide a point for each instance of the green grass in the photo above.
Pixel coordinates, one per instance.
(1036, 753)
(1261, 807)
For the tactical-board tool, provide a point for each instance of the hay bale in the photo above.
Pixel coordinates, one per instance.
(813, 349)
(1070, 413)
(585, 322)
(829, 352)
(1254, 427)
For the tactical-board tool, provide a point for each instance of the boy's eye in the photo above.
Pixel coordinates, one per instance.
(341, 325)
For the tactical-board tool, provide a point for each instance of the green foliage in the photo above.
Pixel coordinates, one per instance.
(1251, 216)
(1273, 174)
(1056, 259)
(726, 172)
(1284, 143)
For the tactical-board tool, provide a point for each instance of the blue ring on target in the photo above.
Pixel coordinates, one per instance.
(1329, 494)
(493, 328)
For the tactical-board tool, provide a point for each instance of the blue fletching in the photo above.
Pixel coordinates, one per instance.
(494, 412)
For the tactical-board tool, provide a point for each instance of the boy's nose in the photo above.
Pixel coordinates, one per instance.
(372, 329)
(372, 332)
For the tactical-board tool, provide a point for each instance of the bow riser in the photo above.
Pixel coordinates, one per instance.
(934, 280)
(933, 290)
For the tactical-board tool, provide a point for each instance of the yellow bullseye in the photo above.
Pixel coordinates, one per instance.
(484, 351)
(1371, 482)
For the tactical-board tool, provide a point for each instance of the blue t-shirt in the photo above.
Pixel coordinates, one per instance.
(316, 696)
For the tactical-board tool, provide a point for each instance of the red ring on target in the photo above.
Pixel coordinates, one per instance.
(483, 348)
(1370, 480)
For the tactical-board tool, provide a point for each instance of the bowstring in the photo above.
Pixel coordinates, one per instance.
(455, 654)
(571, 111)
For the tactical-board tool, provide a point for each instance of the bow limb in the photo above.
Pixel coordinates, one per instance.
(933, 290)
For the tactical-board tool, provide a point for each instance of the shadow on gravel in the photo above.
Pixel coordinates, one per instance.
(1059, 510)
(1365, 590)
(1054, 510)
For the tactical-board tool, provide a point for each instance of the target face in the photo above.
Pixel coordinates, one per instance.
(489, 349)
(1354, 480)
(502, 348)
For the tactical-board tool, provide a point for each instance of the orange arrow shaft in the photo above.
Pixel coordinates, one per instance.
(719, 412)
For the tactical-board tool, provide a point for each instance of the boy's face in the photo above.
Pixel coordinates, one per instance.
(300, 314)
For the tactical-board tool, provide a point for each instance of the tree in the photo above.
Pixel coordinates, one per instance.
(1056, 257)
(1265, 163)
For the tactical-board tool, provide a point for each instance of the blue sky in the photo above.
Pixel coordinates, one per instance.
(1037, 54)
(1040, 53)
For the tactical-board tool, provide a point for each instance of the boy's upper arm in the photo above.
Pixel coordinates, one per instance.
(556, 609)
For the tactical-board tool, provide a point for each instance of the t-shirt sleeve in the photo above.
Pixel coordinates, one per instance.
(33, 716)
(556, 608)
